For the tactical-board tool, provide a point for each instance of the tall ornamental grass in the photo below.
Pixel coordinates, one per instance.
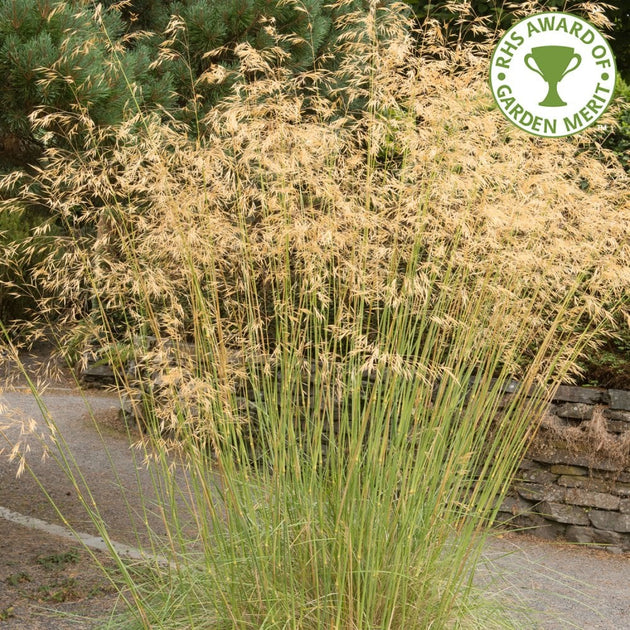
(318, 306)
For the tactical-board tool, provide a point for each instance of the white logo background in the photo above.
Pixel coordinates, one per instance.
(592, 81)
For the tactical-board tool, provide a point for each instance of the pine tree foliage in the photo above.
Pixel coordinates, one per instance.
(88, 58)
(60, 57)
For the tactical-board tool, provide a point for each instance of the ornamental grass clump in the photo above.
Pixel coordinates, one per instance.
(317, 305)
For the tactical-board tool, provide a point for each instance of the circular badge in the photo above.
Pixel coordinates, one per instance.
(552, 74)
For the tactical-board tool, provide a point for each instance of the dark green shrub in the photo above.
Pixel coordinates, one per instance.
(609, 365)
(17, 291)
(618, 139)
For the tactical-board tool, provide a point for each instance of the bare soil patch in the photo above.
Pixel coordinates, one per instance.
(47, 583)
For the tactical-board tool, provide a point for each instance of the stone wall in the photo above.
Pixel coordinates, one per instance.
(574, 482)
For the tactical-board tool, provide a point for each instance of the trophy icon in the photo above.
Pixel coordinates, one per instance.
(553, 64)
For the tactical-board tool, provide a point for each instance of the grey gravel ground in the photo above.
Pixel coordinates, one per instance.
(559, 584)
(562, 586)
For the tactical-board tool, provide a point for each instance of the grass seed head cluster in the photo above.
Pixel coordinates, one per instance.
(319, 295)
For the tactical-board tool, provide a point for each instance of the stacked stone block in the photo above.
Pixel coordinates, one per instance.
(577, 492)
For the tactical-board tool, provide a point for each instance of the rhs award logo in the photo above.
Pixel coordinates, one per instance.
(552, 74)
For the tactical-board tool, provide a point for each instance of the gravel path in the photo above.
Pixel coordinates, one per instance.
(561, 586)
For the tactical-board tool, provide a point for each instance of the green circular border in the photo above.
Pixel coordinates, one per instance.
(529, 17)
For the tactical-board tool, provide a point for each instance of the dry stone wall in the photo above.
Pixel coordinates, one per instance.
(574, 482)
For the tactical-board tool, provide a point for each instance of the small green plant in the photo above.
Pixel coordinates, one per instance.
(18, 578)
(59, 560)
(7, 613)
(58, 591)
